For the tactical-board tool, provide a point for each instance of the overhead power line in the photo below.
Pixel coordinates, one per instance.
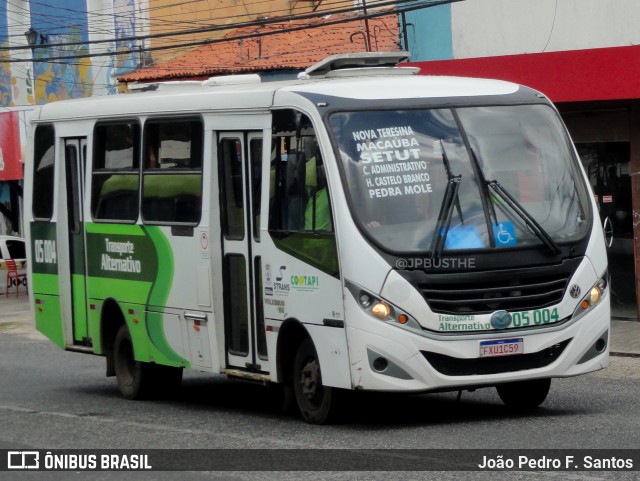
(407, 5)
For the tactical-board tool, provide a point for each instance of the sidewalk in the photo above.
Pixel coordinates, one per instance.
(15, 315)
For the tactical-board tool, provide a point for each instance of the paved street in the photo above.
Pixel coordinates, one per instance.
(51, 399)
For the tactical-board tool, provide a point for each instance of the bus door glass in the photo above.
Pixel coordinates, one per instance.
(240, 174)
(75, 155)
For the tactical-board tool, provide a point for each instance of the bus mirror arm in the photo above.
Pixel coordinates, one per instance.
(607, 227)
(298, 126)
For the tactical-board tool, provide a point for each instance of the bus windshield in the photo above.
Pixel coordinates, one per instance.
(483, 177)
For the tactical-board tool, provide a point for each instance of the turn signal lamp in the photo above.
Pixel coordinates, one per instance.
(403, 318)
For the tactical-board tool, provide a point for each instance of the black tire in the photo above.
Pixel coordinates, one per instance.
(141, 380)
(131, 375)
(315, 401)
(524, 395)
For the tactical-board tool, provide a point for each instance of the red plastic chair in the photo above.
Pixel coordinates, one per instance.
(12, 274)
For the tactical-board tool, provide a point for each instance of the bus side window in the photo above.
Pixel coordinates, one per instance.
(42, 205)
(299, 209)
(172, 174)
(115, 179)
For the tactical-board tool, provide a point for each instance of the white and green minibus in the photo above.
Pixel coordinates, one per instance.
(360, 228)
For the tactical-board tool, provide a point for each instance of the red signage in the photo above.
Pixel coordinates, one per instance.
(566, 76)
(10, 166)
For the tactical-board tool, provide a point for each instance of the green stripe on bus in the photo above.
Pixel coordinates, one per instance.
(158, 297)
(46, 284)
(48, 318)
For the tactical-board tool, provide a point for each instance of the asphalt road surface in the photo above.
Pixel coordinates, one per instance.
(51, 399)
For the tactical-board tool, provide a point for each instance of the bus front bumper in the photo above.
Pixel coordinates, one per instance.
(385, 357)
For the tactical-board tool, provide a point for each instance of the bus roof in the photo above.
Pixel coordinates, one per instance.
(189, 96)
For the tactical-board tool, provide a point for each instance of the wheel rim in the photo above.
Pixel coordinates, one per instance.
(311, 382)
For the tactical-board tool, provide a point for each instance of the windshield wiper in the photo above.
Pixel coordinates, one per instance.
(450, 199)
(522, 212)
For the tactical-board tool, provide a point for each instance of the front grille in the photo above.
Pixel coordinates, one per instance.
(454, 366)
(486, 292)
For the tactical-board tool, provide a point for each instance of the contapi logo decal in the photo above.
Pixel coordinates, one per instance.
(304, 283)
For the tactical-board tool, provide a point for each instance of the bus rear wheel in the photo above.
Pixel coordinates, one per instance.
(524, 395)
(314, 400)
(133, 376)
(141, 380)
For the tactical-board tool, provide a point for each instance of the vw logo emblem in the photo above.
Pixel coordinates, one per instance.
(500, 319)
(575, 291)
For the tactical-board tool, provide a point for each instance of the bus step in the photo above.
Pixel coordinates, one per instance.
(84, 349)
(247, 376)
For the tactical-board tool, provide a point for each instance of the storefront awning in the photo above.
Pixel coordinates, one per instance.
(569, 76)
(10, 165)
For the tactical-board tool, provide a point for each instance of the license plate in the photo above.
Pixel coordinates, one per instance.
(501, 347)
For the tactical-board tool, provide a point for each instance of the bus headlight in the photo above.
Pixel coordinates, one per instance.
(594, 296)
(380, 308)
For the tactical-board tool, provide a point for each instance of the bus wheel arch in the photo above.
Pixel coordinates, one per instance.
(111, 320)
(298, 367)
(290, 335)
(315, 400)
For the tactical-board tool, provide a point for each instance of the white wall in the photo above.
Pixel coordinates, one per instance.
(483, 28)
(18, 22)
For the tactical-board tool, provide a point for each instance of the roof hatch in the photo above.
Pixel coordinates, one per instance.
(354, 61)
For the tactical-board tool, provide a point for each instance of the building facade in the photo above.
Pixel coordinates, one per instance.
(42, 59)
(585, 56)
(63, 49)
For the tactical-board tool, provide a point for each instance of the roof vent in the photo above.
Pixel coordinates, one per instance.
(354, 61)
(168, 85)
(250, 78)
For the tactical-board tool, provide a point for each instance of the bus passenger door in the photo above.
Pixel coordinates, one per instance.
(240, 157)
(74, 159)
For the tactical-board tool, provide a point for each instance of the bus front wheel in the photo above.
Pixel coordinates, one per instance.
(314, 400)
(524, 395)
